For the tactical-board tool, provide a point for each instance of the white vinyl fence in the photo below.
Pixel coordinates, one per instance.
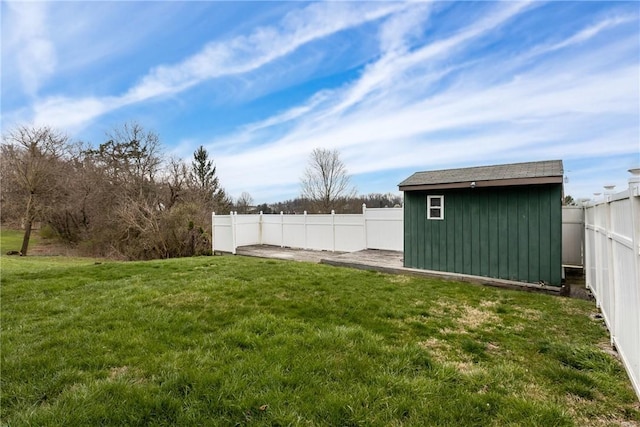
(572, 236)
(380, 228)
(612, 268)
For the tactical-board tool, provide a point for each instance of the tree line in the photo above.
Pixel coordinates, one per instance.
(121, 199)
(352, 205)
(125, 199)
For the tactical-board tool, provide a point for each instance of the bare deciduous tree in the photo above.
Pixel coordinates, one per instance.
(32, 172)
(130, 158)
(326, 182)
(245, 201)
(176, 181)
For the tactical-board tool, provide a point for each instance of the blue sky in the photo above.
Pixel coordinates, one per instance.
(395, 87)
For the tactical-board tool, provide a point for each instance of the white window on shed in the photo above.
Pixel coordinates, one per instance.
(435, 207)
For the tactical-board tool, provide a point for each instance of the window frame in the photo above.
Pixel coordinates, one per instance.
(441, 207)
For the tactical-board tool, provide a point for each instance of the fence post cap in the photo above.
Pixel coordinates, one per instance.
(634, 181)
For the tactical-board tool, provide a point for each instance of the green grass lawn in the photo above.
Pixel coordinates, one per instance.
(11, 240)
(240, 341)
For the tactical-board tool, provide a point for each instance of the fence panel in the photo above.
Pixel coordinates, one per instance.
(572, 235)
(222, 239)
(293, 231)
(603, 268)
(385, 228)
(247, 229)
(271, 230)
(590, 250)
(319, 232)
(612, 267)
(349, 232)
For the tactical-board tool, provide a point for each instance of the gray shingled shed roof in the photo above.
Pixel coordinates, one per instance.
(545, 172)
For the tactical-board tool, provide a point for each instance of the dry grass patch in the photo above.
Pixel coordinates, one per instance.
(440, 350)
(535, 392)
(569, 307)
(488, 303)
(578, 409)
(452, 356)
(117, 372)
(472, 317)
(466, 316)
(529, 314)
(445, 354)
(467, 367)
(399, 279)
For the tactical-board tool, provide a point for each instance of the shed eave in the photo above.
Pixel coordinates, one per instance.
(487, 183)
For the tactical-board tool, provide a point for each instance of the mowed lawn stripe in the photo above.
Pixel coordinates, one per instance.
(242, 341)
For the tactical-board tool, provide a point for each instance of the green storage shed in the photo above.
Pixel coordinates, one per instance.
(502, 221)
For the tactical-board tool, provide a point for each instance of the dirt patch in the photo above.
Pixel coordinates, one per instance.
(51, 248)
(607, 348)
(575, 280)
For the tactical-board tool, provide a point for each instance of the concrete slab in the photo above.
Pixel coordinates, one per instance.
(386, 262)
(392, 262)
(292, 254)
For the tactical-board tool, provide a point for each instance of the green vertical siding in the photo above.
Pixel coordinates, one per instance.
(510, 233)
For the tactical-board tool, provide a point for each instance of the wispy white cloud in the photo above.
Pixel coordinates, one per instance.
(69, 113)
(397, 59)
(238, 55)
(289, 115)
(27, 38)
(584, 34)
(394, 117)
